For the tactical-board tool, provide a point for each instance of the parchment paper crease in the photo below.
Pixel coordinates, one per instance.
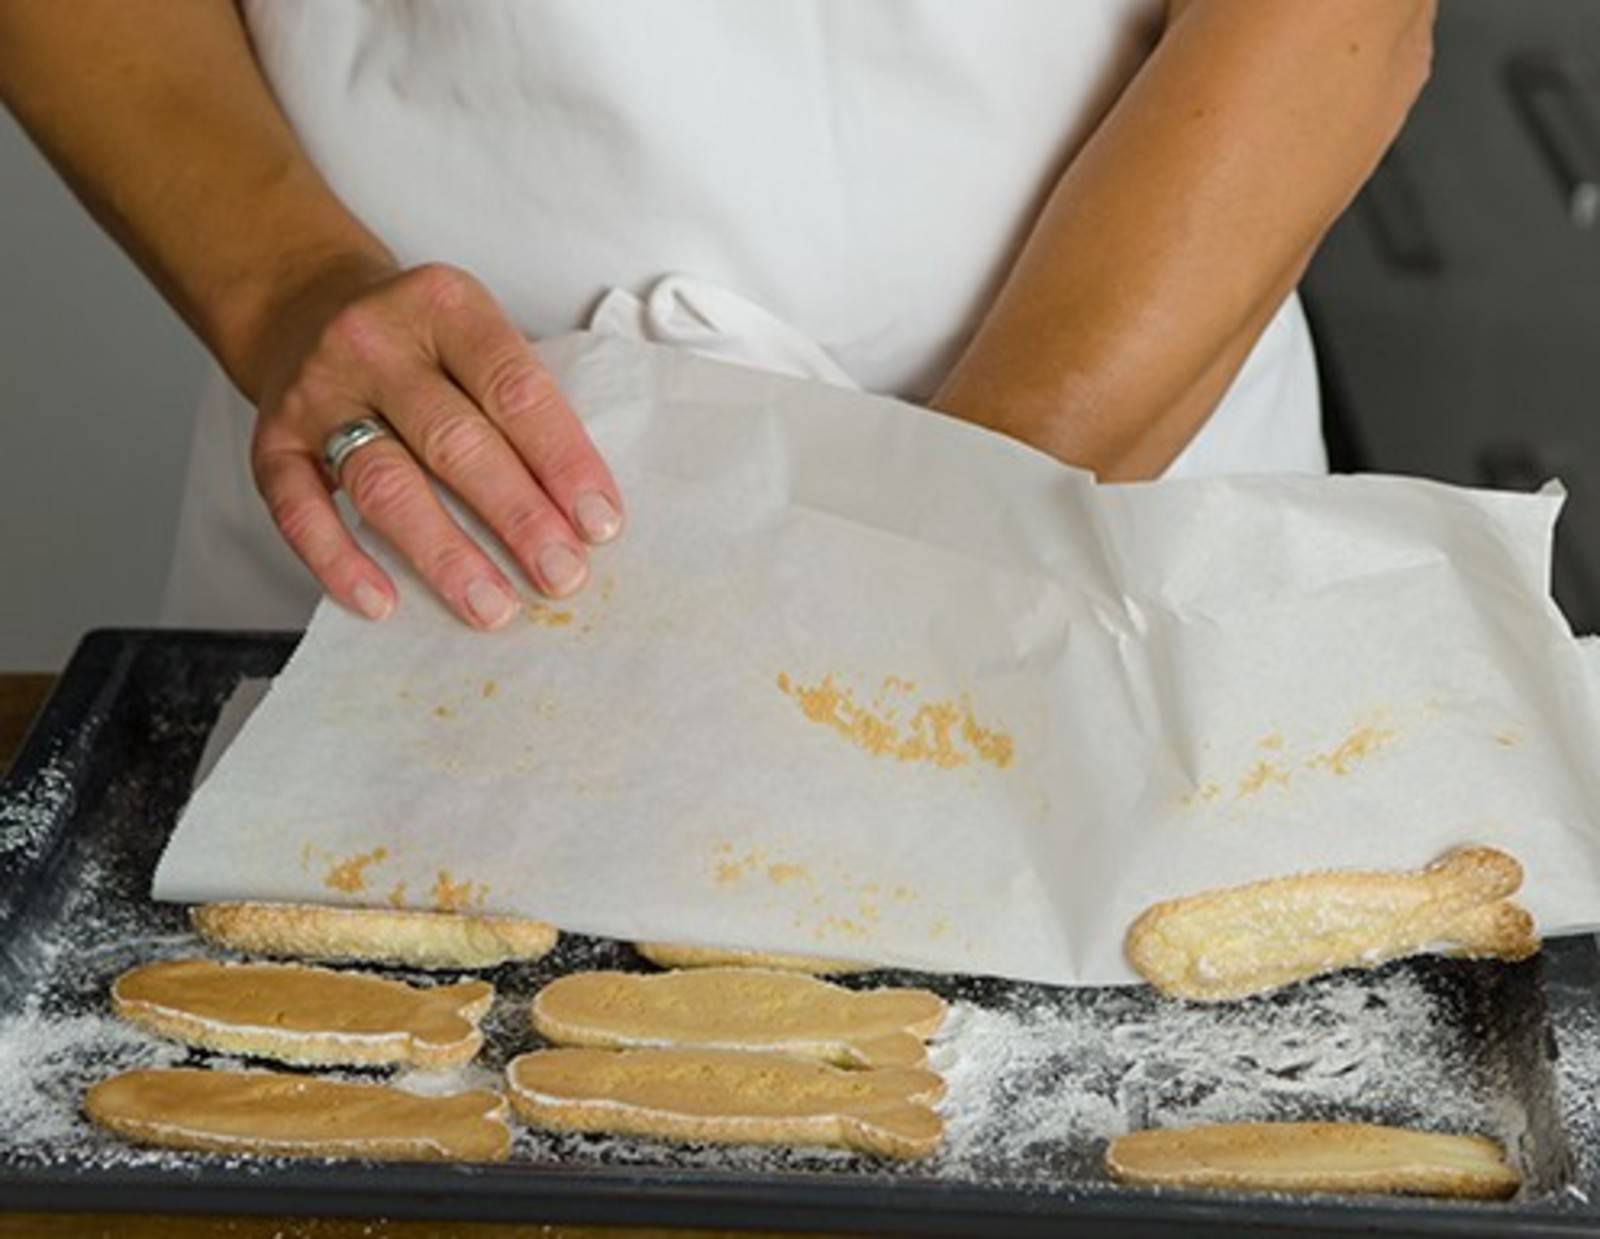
(867, 681)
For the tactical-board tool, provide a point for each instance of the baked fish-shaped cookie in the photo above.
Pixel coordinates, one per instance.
(740, 1009)
(1315, 1157)
(372, 935)
(297, 1014)
(730, 1097)
(1246, 940)
(281, 1115)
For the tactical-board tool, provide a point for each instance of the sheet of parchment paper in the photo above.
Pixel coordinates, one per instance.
(867, 681)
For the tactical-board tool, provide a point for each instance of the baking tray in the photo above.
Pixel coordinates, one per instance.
(1040, 1077)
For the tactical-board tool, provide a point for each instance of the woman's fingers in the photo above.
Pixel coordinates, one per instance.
(303, 511)
(470, 405)
(393, 495)
(495, 366)
(456, 443)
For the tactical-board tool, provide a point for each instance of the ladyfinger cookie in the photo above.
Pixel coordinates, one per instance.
(282, 1115)
(1249, 939)
(729, 1097)
(298, 1014)
(740, 1009)
(373, 935)
(667, 955)
(1315, 1157)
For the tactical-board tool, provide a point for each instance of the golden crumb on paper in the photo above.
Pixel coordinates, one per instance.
(546, 616)
(608, 587)
(349, 875)
(1272, 740)
(782, 875)
(443, 711)
(1204, 794)
(839, 927)
(452, 896)
(1354, 748)
(1265, 772)
(729, 869)
(945, 734)
(397, 895)
(489, 689)
(994, 747)
(1509, 738)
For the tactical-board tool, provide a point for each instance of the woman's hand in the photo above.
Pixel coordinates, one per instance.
(157, 114)
(469, 403)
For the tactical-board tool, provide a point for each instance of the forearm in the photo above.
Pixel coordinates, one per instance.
(1184, 222)
(157, 115)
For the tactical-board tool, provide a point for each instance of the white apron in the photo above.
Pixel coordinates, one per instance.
(833, 188)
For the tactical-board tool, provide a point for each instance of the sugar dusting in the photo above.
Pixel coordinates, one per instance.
(29, 813)
(1039, 1079)
(1035, 1088)
(1578, 1085)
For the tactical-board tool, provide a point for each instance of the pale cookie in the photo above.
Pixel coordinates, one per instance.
(282, 1115)
(298, 1014)
(1249, 939)
(373, 935)
(666, 955)
(740, 1009)
(1315, 1157)
(730, 1097)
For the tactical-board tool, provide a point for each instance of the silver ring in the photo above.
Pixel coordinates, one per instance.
(338, 446)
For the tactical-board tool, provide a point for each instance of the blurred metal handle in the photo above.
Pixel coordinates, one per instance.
(1555, 94)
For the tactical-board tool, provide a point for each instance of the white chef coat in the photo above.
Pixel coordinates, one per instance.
(828, 187)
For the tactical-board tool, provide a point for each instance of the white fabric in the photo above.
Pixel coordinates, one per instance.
(689, 313)
(832, 188)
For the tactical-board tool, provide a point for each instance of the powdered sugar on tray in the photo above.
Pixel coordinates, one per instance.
(1578, 1075)
(1034, 1088)
(28, 814)
(1039, 1079)
(46, 1064)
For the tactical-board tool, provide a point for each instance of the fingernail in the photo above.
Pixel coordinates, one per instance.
(561, 568)
(372, 601)
(489, 604)
(598, 519)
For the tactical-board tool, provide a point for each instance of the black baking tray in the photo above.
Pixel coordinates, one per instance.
(98, 786)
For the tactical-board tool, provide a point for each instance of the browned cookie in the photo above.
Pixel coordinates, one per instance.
(1249, 939)
(298, 1116)
(298, 1014)
(667, 955)
(1315, 1157)
(730, 1097)
(740, 1009)
(373, 935)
